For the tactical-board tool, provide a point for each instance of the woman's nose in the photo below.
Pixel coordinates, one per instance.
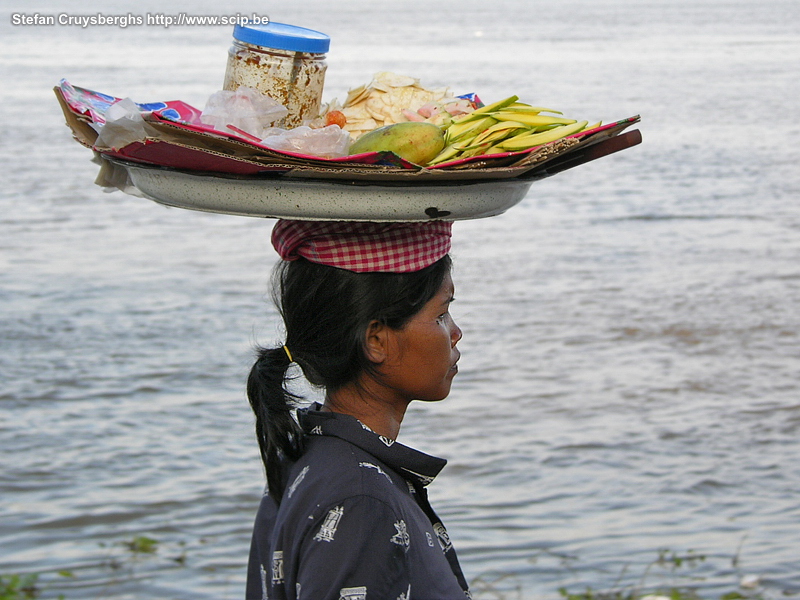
(455, 334)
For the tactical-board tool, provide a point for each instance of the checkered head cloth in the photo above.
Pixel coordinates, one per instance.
(364, 247)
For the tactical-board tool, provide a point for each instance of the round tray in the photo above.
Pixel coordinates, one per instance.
(308, 199)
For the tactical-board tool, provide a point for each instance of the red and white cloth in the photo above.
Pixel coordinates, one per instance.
(364, 246)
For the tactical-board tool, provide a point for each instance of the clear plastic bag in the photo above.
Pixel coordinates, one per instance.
(124, 125)
(326, 142)
(246, 109)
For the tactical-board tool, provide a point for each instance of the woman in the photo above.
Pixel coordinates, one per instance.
(346, 514)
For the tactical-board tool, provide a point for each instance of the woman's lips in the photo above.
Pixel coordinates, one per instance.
(455, 363)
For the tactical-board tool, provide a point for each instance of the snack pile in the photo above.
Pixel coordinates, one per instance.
(391, 98)
(393, 123)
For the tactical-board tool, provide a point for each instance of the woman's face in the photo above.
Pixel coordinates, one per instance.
(422, 363)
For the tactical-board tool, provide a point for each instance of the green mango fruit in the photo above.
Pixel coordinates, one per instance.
(416, 142)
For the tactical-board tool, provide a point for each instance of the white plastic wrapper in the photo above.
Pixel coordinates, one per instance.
(327, 142)
(246, 109)
(124, 125)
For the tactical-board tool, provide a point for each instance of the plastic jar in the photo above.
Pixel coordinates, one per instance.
(284, 62)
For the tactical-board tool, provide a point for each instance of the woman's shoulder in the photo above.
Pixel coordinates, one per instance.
(332, 470)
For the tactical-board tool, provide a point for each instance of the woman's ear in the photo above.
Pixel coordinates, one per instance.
(377, 342)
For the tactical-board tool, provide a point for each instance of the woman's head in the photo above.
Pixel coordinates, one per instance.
(327, 312)
(417, 361)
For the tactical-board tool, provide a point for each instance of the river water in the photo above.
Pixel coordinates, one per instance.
(630, 380)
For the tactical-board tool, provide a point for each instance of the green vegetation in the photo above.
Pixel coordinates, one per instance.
(29, 586)
(18, 587)
(24, 587)
(676, 568)
(141, 545)
(675, 575)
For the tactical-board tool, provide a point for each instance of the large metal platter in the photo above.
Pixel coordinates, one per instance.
(308, 199)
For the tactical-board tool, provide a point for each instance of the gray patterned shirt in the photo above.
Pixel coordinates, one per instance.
(354, 522)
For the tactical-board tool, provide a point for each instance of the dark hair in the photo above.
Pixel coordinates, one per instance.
(326, 312)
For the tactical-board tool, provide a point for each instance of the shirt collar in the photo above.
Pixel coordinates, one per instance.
(409, 463)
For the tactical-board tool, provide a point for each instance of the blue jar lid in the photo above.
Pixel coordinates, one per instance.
(283, 37)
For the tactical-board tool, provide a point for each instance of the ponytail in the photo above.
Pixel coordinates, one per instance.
(279, 436)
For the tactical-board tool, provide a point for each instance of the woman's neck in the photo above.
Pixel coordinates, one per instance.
(382, 416)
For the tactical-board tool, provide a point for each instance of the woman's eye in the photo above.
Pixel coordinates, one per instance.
(446, 314)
